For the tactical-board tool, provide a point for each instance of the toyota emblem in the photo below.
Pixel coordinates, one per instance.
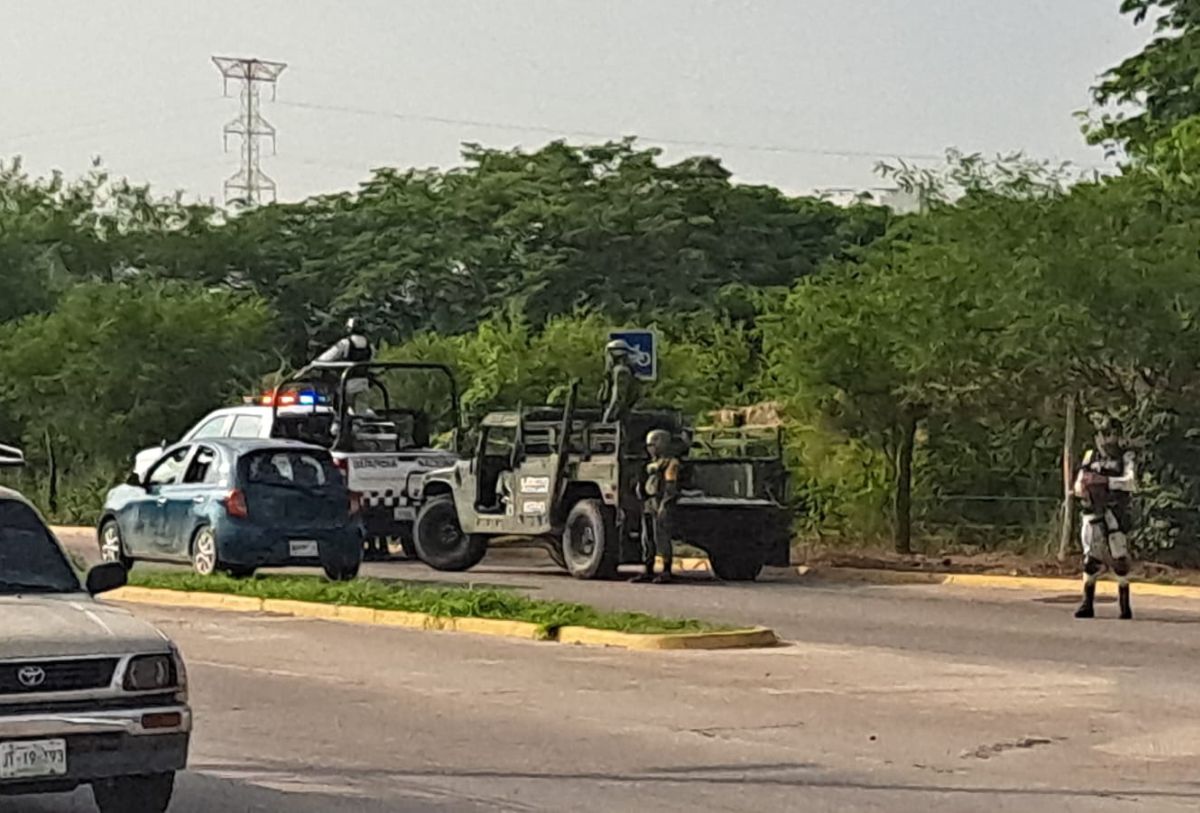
(31, 676)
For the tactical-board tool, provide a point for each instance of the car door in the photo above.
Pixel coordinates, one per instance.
(149, 511)
(186, 501)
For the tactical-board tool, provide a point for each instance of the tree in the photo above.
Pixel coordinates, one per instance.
(117, 367)
(1161, 83)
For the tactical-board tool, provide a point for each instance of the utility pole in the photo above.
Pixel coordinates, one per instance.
(250, 184)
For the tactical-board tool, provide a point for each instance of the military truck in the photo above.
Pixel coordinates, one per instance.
(568, 478)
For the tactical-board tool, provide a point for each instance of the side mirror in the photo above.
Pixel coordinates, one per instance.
(134, 479)
(106, 577)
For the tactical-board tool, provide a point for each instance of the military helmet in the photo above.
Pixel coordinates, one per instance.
(658, 439)
(351, 324)
(619, 346)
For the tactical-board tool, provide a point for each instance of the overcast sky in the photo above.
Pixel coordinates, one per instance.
(777, 88)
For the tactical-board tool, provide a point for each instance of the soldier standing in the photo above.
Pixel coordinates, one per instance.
(659, 493)
(621, 389)
(1104, 484)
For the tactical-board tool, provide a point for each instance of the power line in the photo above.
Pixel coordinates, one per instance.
(781, 149)
(250, 181)
(539, 128)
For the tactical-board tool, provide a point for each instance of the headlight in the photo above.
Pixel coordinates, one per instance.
(149, 673)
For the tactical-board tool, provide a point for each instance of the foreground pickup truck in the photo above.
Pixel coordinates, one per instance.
(89, 695)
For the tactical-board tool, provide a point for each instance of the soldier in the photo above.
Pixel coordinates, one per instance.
(659, 493)
(1104, 484)
(621, 389)
(354, 347)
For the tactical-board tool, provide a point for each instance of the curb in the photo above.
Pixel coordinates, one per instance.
(524, 630)
(980, 581)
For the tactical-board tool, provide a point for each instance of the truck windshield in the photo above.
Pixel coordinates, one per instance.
(30, 559)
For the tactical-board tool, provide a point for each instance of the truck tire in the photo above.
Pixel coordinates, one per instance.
(590, 546)
(440, 541)
(134, 794)
(735, 567)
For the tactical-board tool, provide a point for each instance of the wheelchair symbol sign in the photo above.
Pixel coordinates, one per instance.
(645, 345)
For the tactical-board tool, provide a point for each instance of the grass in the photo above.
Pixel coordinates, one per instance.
(453, 602)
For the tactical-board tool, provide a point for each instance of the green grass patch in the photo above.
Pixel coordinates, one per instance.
(452, 602)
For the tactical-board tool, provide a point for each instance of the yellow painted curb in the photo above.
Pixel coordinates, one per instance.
(734, 639)
(989, 581)
(524, 630)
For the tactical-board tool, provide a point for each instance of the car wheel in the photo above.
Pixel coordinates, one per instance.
(440, 540)
(589, 543)
(204, 552)
(735, 567)
(134, 794)
(112, 546)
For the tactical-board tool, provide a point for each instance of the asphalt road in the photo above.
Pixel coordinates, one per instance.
(886, 699)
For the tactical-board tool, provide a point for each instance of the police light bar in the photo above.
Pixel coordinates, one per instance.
(305, 398)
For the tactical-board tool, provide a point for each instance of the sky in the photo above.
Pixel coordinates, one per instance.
(800, 94)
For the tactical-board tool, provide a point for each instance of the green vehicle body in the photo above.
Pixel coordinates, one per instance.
(568, 478)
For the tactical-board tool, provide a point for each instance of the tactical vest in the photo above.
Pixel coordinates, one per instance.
(1109, 466)
(358, 349)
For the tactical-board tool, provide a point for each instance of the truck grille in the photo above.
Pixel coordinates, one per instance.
(36, 677)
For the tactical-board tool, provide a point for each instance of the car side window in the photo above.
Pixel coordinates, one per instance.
(212, 428)
(246, 426)
(167, 471)
(204, 468)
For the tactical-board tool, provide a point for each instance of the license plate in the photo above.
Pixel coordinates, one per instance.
(36, 758)
(302, 548)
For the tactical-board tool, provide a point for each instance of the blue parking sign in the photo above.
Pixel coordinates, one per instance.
(645, 345)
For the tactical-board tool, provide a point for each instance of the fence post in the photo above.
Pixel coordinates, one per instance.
(1067, 525)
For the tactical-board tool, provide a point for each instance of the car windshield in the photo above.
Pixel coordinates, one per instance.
(30, 559)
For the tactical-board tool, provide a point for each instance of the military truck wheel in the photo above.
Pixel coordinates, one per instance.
(735, 567)
(590, 546)
(440, 541)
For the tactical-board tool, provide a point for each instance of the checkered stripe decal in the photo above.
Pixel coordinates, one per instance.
(384, 499)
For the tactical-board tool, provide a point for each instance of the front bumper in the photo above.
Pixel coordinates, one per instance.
(102, 744)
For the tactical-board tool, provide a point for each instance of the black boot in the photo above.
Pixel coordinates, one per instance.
(1087, 608)
(646, 575)
(1126, 607)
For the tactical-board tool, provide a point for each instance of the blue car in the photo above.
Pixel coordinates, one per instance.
(233, 506)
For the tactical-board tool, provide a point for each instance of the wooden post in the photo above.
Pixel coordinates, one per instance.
(1067, 525)
(904, 461)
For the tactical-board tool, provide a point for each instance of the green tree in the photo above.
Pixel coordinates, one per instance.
(117, 367)
(1156, 89)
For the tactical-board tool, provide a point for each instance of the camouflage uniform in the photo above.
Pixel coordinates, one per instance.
(1104, 484)
(621, 389)
(659, 493)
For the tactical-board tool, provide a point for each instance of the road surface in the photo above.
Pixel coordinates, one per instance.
(885, 699)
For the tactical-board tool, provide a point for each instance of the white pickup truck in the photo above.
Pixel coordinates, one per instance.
(89, 695)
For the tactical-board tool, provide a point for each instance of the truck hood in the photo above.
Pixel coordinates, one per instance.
(70, 625)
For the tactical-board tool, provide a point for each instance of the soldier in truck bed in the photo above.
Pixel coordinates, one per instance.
(621, 389)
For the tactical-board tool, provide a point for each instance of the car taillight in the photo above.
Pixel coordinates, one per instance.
(341, 464)
(235, 504)
(355, 502)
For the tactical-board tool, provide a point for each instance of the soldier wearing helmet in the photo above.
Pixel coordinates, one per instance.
(621, 390)
(353, 347)
(659, 491)
(1104, 484)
